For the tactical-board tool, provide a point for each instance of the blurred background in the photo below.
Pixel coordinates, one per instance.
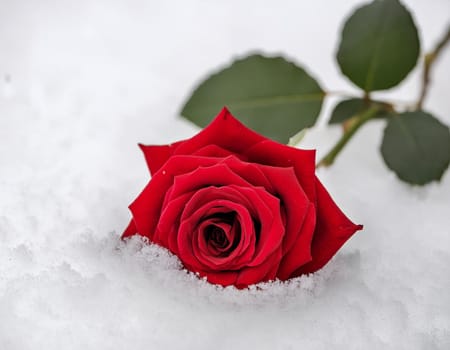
(137, 55)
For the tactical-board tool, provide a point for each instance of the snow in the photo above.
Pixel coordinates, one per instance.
(82, 82)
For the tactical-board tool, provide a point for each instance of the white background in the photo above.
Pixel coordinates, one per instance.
(81, 82)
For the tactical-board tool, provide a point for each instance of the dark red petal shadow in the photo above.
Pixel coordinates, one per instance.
(273, 153)
(333, 229)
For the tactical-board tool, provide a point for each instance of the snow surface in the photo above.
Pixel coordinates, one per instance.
(82, 82)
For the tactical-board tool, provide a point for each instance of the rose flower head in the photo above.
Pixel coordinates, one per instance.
(237, 207)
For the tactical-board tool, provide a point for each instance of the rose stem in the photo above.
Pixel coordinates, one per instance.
(353, 126)
(428, 61)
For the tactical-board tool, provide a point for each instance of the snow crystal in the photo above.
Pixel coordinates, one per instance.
(82, 83)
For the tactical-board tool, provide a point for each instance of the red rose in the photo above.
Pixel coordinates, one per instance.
(238, 208)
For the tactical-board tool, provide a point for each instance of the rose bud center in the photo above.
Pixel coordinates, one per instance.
(221, 233)
(216, 236)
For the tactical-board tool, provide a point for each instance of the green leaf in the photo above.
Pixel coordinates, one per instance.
(379, 45)
(416, 146)
(346, 109)
(269, 94)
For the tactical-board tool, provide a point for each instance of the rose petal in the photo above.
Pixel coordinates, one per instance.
(223, 278)
(216, 151)
(300, 253)
(224, 131)
(248, 275)
(273, 153)
(216, 175)
(272, 230)
(333, 229)
(294, 202)
(260, 273)
(130, 230)
(157, 155)
(167, 229)
(252, 173)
